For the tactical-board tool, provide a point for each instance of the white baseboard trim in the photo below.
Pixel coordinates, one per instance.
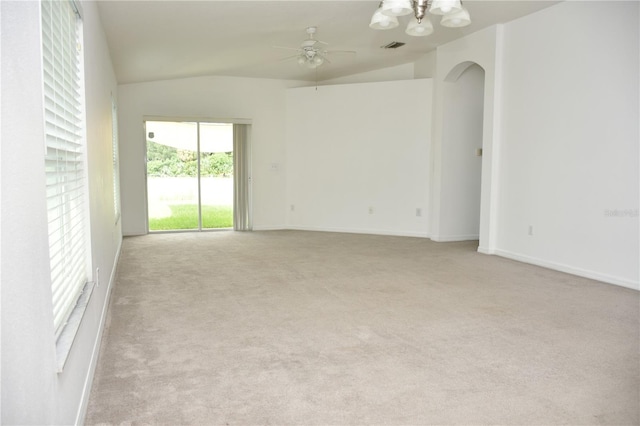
(88, 382)
(485, 250)
(610, 279)
(269, 228)
(361, 231)
(135, 234)
(453, 238)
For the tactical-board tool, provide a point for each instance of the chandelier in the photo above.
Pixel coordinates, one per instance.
(454, 15)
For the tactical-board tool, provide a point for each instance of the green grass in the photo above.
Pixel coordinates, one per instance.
(185, 216)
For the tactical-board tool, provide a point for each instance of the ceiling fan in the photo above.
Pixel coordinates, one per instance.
(311, 52)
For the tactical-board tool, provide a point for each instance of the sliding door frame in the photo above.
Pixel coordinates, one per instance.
(198, 120)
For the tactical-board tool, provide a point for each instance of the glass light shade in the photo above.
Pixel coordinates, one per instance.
(380, 21)
(301, 60)
(397, 7)
(456, 20)
(444, 7)
(421, 29)
(318, 60)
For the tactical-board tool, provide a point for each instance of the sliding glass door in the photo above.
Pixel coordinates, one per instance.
(190, 175)
(216, 175)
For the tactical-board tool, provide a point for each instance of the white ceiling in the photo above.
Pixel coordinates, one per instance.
(158, 40)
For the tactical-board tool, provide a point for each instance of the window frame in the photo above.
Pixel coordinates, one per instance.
(66, 168)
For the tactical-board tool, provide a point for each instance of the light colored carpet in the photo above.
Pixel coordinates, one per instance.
(292, 327)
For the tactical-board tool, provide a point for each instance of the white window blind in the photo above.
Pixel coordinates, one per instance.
(65, 155)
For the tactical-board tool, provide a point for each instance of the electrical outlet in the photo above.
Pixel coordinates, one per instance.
(418, 212)
(97, 277)
(530, 229)
(293, 207)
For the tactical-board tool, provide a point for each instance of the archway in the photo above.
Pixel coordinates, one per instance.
(461, 155)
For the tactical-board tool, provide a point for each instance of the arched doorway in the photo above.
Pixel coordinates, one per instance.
(461, 160)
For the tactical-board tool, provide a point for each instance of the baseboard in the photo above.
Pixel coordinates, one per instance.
(610, 279)
(88, 383)
(135, 234)
(361, 231)
(485, 250)
(453, 238)
(269, 228)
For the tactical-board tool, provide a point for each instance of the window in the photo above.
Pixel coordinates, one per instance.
(65, 155)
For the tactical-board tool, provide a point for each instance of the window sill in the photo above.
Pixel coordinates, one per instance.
(68, 335)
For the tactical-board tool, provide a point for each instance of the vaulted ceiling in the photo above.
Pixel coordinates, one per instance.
(157, 40)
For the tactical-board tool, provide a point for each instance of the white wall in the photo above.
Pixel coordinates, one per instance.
(560, 138)
(570, 140)
(398, 72)
(259, 100)
(461, 166)
(32, 391)
(425, 67)
(352, 147)
(482, 48)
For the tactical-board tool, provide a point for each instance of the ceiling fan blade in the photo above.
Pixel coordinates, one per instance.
(288, 57)
(286, 48)
(312, 52)
(325, 59)
(350, 52)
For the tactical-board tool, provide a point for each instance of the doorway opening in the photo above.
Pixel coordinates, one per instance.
(462, 150)
(190, 175)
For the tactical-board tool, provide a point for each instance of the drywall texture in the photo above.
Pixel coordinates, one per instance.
(32, 391)
(260, 101)
(569, 166)
(358, 157)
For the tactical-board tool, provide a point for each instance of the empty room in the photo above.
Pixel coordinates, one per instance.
(320, 212)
